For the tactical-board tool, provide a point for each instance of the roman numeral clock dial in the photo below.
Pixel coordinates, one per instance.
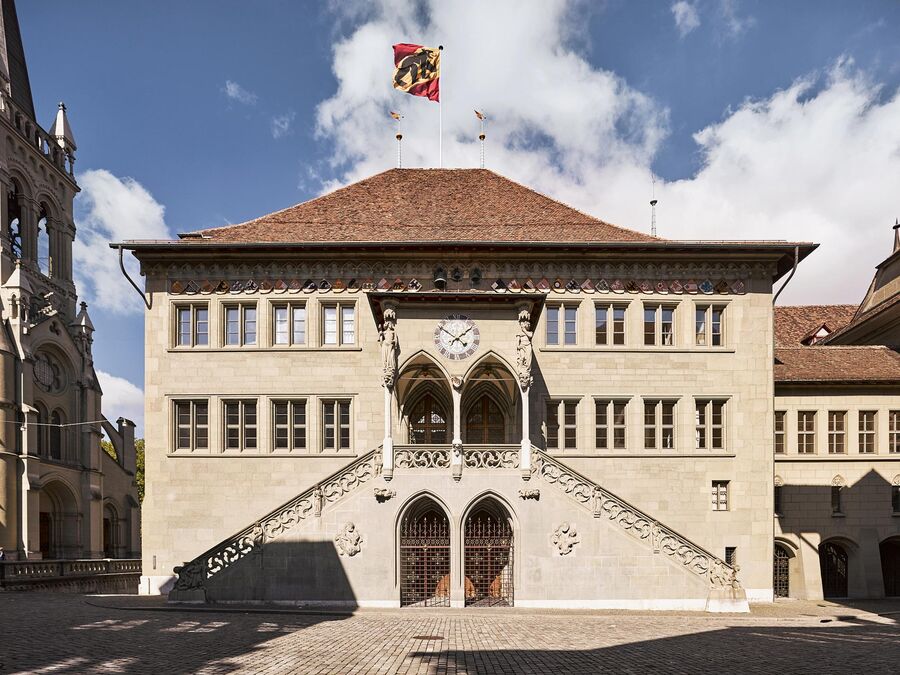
(457, 337)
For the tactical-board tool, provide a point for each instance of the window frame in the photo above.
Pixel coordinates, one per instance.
(720, 494)
(339, 306)
(610, 427)
(290, 307)
(338, 426)
(242, 308)
(705, 426)
(893, 432)
(559, 406)
(193, 309)
(805, 435)
(610, 334)
(867, 437)
(561, 323)
(658, 425)
(709, 335)
(193, 425)
(242, 426)
(291, 426)
(657, 308)
(780, 434)
(837, 436)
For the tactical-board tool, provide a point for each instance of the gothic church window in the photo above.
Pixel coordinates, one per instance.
(57, 435)
(44, 259)
(14, 219)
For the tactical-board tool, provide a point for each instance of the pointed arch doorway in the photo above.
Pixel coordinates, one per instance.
(425, 555)
(488, 555)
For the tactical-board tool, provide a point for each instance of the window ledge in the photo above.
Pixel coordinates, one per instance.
(256, 455)
(638, 455)
(244, 350)
(638, 350)
(838, 515)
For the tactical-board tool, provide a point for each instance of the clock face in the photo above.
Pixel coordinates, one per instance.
(456, 337)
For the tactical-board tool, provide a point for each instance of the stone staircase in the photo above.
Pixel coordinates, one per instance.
(725, 592)
(193, 575)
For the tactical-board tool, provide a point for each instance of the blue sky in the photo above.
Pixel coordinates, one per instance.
(758, 119)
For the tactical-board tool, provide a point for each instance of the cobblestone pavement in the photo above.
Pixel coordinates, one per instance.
(48, 633)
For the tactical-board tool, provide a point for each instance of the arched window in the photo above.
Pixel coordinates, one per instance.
(45, 263)
(43, 419)
(57, 435)
(485, 423)
(14, 219)
(428, 421)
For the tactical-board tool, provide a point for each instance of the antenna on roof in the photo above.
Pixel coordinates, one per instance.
(397, 116)
(653, 202)
(481, 118)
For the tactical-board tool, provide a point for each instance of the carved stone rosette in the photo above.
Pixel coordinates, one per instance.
(565, 537)
(194, 574)
(348, 541)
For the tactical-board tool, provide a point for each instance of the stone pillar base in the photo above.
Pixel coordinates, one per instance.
(727, 600)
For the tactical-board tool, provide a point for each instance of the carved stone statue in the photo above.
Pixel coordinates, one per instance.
(524, 350)
(348, 541)
(390, 347)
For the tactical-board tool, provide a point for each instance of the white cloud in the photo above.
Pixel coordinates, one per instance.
(112, 209)
(735, 24)
(281, 124)
(123, 399)
(686, 17)
(236, 92)
(819, 161)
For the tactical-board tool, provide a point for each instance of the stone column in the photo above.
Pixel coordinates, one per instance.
(525, 449)
(456, 452)
(524, 357)
(390, 350)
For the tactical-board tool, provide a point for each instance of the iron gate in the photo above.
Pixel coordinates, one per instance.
(833, 561)
(425, 560)
(488, 559)
(781, 573)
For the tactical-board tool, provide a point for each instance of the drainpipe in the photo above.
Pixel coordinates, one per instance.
(786, 281)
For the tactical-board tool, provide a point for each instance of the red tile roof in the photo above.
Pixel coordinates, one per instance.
(419, 205)
(821, 364)
(795, 323)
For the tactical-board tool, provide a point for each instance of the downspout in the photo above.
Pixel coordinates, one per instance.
(148, 303)
(774, 300)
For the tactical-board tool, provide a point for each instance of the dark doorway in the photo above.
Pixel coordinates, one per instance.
(890, 566)
(833, 562)
(488, 557)
(425, 557)
(107, 538)
(485, 423)
(781, 572)
(428, 421)
(46, 534)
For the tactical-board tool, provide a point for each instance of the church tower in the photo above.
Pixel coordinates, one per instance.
(55, 480)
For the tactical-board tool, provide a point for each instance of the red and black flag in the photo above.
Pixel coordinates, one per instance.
(418, 70)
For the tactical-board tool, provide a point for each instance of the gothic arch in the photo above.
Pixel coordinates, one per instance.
(488, 531)
(485, 358)
(424, 540)
(59, 519)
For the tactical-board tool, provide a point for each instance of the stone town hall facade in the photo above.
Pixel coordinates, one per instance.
(438, 387)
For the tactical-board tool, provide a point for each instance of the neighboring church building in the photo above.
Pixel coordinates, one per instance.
(61, 495)
(439, 387)
(837, 444)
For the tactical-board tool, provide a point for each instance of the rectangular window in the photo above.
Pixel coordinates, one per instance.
(708, 325)
(659, 425)
(836, 507)
(193, 326)
(552, 325)
(895, 498)
(609, 324)
(730, 555)
(338, 324)
(191, 425)
(779, 490)
(806, 432)
(710, 424)
(609, 424)
(780, 431)
(336, 425)
(570, 424)
(836, 432)
(867, 431)
(240, 425)
(659, 325)
(289, 323)
(289, 424)
(571, 327)
(894, 431)
(720, 495)
(552, 412)
(240, 325)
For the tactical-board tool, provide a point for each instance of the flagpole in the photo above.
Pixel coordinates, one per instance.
(441, 115)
